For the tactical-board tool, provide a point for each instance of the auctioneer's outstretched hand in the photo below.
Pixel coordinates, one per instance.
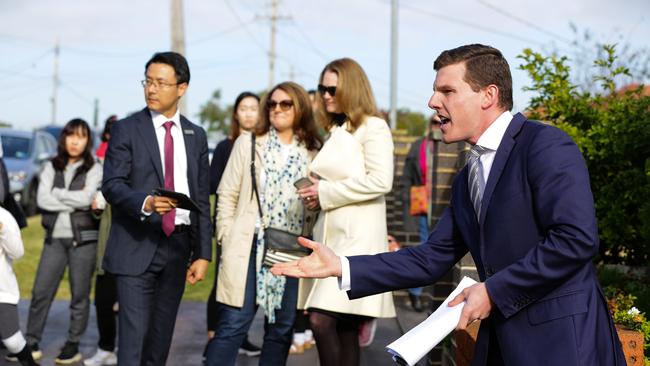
(321, 263)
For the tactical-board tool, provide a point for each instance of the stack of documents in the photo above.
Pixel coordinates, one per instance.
(412, 346)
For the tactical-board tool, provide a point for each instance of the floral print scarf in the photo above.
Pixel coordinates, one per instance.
(282, 209)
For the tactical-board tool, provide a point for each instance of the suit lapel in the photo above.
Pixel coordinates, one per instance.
(148, 133)
(501, 158)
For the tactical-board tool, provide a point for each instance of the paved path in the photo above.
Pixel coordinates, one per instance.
(190, 336)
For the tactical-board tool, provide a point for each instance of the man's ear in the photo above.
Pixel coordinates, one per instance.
(182, 88)
(489, 96)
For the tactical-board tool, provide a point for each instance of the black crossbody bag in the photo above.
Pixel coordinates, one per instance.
(279, 245)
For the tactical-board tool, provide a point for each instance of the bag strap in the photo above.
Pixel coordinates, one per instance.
(253, 180)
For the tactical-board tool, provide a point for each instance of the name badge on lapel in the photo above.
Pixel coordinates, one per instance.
(188, 132)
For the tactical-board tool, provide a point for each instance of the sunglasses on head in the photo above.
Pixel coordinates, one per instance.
(327, 89)
(285, 105)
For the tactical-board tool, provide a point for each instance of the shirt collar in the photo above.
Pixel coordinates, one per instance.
(491, 138)
(159, 119)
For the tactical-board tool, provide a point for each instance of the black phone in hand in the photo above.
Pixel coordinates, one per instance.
(303, 183)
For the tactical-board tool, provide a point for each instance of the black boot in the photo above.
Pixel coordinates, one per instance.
(25, 357)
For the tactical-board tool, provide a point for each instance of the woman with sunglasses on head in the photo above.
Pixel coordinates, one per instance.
(245, 114)
(354, 171)
(285, 141)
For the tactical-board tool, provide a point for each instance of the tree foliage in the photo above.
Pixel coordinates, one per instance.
(612, 129)
(415, 123)
(214, 116)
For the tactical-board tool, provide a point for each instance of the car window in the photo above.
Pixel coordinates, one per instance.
(41, 146)
(52, 145)
(15, 147)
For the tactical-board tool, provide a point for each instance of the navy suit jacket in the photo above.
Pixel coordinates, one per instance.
(533, 247)
(132, 169)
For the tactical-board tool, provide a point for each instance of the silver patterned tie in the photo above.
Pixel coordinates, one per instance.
(475, 178)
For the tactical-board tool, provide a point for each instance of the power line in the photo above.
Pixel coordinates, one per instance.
(449, 19)
(30, 63)
(523, 21)
(98, 53)
(311, 44)
(243, 24)
(220, 33)
(77, 94)
(27, 92)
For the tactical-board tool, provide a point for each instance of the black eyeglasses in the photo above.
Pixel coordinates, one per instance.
(327, 89)
(285, 105)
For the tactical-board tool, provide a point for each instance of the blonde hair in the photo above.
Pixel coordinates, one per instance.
(353, 94)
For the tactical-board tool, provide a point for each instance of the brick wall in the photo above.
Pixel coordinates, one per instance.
(447, 160)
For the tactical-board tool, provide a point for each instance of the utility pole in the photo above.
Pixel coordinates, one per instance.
(393, 64)
(274, 17)
(55, 82)
(178, 39)
(96, 113)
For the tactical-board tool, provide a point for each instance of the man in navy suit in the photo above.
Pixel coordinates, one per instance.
(153, 247)
(524, 210)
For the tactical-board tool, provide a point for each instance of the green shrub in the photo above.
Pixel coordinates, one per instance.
(612, 129)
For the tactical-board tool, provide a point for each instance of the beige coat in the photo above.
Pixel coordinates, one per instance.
(236, 218)
(356, 171)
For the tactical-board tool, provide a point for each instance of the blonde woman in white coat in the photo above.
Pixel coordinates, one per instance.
(286, 140)
(355, 171)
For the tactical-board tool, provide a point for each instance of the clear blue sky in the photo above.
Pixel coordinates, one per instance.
(105, 44)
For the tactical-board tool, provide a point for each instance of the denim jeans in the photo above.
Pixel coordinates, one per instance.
(423, 230)
(233, 324)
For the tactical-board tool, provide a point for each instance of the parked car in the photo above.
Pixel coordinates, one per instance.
(55, 131)
(25, 153)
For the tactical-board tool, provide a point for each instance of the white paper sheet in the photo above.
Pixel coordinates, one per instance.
(417, 342)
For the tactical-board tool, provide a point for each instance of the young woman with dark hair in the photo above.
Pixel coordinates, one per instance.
(65, 192)
(245, 114)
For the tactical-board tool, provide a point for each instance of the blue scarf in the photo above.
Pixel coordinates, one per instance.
(282, 209)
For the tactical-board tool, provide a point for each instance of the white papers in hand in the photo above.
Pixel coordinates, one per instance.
(412, 346)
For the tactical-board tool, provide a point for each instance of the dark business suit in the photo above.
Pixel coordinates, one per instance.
(150, 267)
(533, 246)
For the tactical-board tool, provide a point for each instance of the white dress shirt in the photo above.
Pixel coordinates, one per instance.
(180, 159)
(490, 139)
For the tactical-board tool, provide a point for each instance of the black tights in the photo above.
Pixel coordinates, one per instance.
(337, 340)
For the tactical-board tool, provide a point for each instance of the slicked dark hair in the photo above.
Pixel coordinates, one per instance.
(484, 66)
(176, 61)
(61, 159)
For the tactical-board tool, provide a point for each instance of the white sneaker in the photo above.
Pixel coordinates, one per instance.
(102, 358)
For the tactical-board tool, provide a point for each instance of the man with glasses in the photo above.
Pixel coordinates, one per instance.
(151, 240)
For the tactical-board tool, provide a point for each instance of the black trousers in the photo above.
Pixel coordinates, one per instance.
(105, 299)
(149, 303)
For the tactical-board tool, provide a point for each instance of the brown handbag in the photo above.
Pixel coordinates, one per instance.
(419, 201)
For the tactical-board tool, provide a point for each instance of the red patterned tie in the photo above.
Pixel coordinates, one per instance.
(169, 218)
